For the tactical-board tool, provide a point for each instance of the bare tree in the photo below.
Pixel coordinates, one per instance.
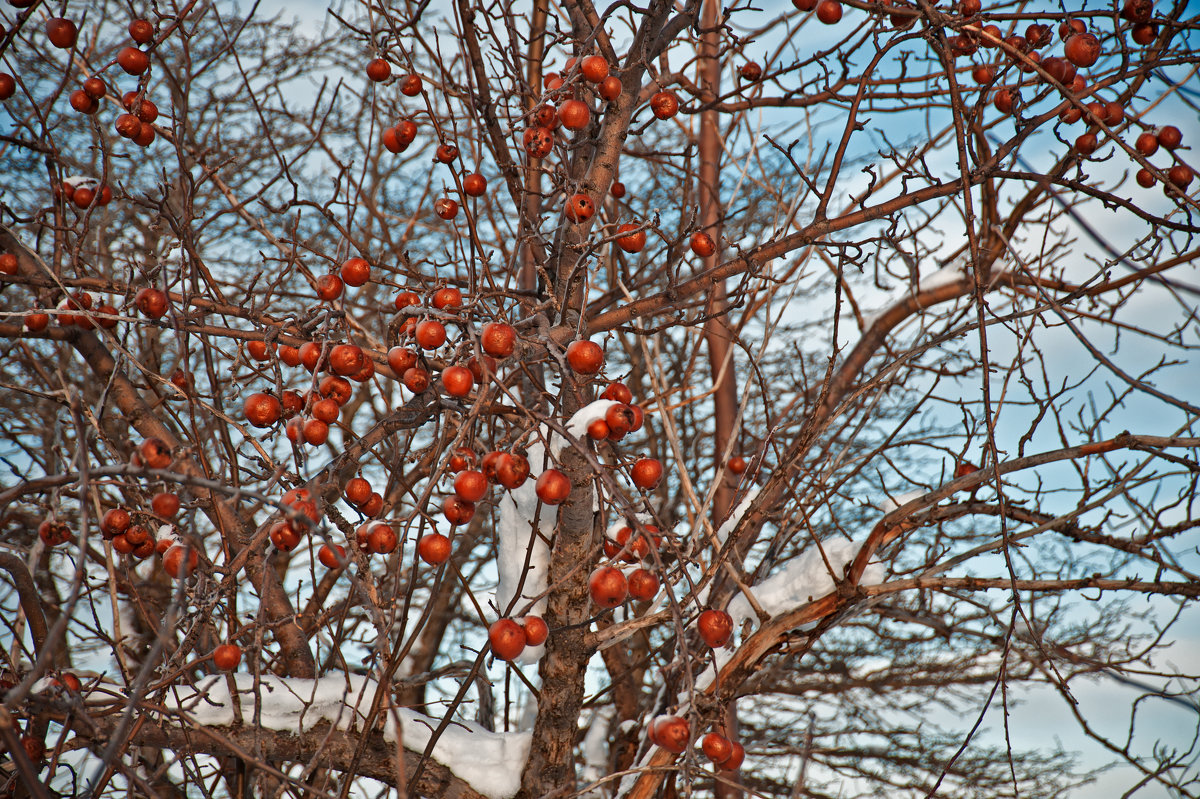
(542, 400)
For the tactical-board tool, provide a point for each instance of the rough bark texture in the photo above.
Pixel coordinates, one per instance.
(320, 746)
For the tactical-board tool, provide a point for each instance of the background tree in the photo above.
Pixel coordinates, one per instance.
(816, 379)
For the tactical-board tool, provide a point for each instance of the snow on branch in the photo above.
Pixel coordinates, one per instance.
(517, 540)
(735, 518)
(803, 579)
(489, 762)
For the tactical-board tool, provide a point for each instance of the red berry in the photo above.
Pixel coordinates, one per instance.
(671, 733)
(474, 185)
(176, 564)
(538, 141)
(536, 631)
(457, 510)
(646, 473)
(1170, 137)
(632, 240)
(608, 586)
(620, 420)
(1082, 49)
(553, 487)
(332, 557)
(717, 747)
(716, 627)
(574, 115)
(610, 90)
(664, 104)
(379, 70)
(141, 31)
(355, 272)
(82, 102)
(498, 339)
(618, 392)
(165, 504)
(434, 548)
(151, 302)
(416, 380)
(1005, 100)
(471, 485)
(579, 208)
(411, 85)
(447, 297)
(155, 453)
(457, 380)
(585, 357)
(329, 287)
(1180, 176)
(133, 61)
(829, 11)
(643, 585)
(431, 334)
(381, 538)
(401, 359)
(703, 244)
(594, 68)
(226, 657)
(507, 639)
(62, 32)
(735, 760)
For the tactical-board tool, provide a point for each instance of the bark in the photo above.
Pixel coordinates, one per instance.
(718, 335)
(320, 745)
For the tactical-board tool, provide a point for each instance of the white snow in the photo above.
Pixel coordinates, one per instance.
(735, 517)
(595, 747)
(802, 580)
(891, 503)
(167, 531)
(516, 538)
(707, 677)
(489, 762)
(578, 424)
(942, 277)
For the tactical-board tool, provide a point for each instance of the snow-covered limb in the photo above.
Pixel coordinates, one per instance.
(516, 537)
(942, 277)
(577, 425)
(489, 762)
(517, 509)
(889, 504)
(735, 517)
(934, 280)
(802, 580)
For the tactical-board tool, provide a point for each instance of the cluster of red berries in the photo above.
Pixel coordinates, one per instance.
(132, 531)
(508, 637)
(673, 733)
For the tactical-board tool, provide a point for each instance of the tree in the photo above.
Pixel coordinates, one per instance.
(820, 375)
